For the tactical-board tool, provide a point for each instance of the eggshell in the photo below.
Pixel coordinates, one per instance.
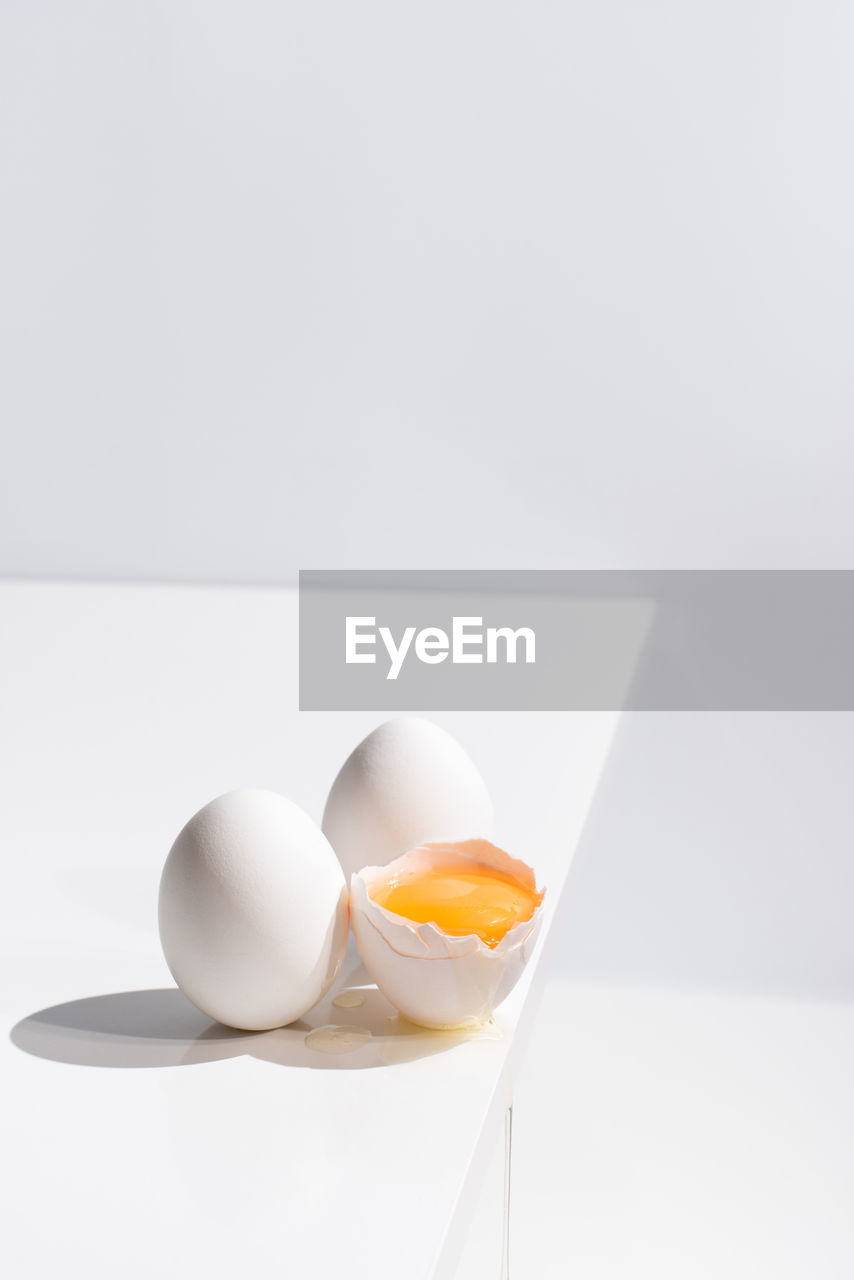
(253, 911)
(433, 978)
(407, 783)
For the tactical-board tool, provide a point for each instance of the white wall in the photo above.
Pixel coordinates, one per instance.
(415, 285)
(720, 854)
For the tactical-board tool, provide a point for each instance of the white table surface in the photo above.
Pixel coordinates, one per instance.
(140, 1139)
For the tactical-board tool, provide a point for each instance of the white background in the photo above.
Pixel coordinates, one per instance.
(382, 285)
(470, 284)
(721, 855)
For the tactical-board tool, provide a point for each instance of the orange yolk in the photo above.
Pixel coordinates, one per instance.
(460, 900)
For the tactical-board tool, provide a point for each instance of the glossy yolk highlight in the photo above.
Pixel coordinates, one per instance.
(460, 900)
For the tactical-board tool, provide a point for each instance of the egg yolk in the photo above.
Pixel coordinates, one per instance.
(460, 900)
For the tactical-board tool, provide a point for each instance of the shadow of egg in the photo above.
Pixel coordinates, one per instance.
(162, 1028)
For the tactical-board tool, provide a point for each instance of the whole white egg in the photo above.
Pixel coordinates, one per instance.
(253, 911)
(408, 783)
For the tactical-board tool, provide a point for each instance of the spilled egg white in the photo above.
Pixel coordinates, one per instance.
(434, 978)
(253, 911)
(408, 782)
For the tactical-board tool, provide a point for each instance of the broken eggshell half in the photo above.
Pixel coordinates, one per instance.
(433, 978)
